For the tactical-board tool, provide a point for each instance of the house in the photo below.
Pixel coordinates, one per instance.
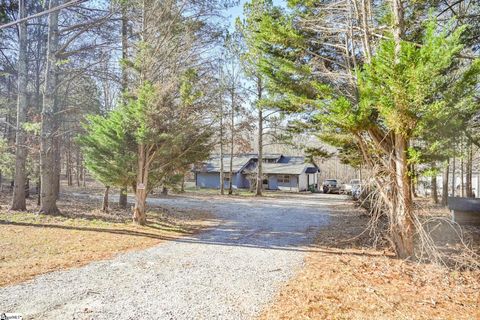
(289, 173)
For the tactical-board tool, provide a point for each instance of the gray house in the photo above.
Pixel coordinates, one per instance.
(280, 172)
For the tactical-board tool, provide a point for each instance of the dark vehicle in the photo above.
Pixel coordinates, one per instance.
(331, 186)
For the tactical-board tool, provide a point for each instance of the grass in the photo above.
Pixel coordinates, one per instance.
(345, 278)
(32, 244)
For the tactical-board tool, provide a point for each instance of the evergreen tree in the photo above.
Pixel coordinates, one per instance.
(382, 102)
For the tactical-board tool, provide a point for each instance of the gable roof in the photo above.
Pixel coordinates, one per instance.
(286, 168)
(213, 165)
(285, 164)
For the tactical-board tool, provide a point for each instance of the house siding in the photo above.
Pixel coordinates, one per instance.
(273, 183)
(212, 180)
(208, 180)
(302, 182)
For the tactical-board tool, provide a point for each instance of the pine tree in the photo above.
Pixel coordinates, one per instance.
(382, 103)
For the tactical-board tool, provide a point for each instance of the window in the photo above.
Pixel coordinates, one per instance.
(283, 179)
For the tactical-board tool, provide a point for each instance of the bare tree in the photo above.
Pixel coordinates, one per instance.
(18, 200)
(48, 130)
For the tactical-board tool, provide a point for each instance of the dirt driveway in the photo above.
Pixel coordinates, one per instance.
(229, 272)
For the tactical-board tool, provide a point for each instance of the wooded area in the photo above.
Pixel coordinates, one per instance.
(134, 93)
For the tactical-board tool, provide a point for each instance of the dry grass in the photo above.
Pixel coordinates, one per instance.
(350, 279)
(32, 244)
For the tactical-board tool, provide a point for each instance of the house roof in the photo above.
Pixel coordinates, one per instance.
(289, 165)
(288, 168)
(284, 165)
(213, 165)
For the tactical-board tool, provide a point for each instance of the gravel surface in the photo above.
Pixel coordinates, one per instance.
(229, 272)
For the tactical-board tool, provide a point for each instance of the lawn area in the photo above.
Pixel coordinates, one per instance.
(32, 244)
(350, 279)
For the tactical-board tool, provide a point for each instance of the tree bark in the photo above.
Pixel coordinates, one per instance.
(434, 190)
(68, 161)
(399, 26)
(84, 178)
(402, 222)
(453, 177)
(39, 190)
(78, 169)
(469, 169)
(434, 194)
(462, 174)
(47, 145)
(413, 179)
(222, 169)
(122, 199)
(259, 186)
(139, 215)
(403, 227)
(18, 200)
(445, 184)
(57, 142)
(124, 48)
(105, 199)
(232, 124)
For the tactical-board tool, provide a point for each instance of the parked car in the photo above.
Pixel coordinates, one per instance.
(331, 186)
(352, 185)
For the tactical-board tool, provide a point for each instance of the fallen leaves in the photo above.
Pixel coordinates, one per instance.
(344, 280)
(32, 244)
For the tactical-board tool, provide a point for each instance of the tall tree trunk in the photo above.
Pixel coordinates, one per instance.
(47, 145)
(18, 200)
(259, 188)
(453, 177)
(365, 27)
(462, 182)
(222, 169)
(413, 180)
(84, 173)
(232, 124)
(434, 194)
(445, 184)
(124, 48)
(78, 168)
(469, 168)
(122, 199)
(68, 161)
(139, 216)
(403, 227)
(57, 140)
(105, 199)
(39, 190)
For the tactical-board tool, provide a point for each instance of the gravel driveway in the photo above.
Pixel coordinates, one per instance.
(230, 272)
